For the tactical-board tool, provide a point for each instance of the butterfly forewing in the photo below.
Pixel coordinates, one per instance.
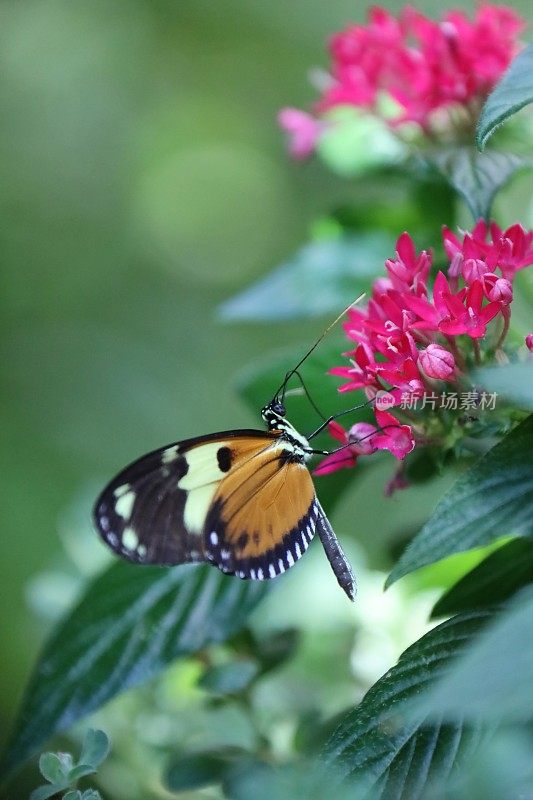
(165, 507)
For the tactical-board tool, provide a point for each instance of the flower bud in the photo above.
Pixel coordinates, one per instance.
(361, 435)
(502, 291)
(437, 362)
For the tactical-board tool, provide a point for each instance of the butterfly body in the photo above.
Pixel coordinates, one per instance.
(242, 500)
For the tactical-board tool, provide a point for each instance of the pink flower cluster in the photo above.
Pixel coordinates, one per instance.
(409, 339)
(424, 66)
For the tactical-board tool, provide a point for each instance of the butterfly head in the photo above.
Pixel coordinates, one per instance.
(274, 414)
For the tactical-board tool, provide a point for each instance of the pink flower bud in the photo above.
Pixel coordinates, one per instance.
(437, 362)
(361, 435)
(474, 269)
(529, 341)
(502, 291)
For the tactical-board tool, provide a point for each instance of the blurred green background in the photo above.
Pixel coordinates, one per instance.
(145, 182)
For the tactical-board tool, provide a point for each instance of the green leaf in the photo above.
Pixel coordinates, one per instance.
(44, 792)
(512, 381)
(195, 770)
(73, 795)
(496, 579)
(477, 177)
(51, 768)
(90, 794)
(80, 771)
(493, 499)
(493, 679)
(95, 748)
(230, 678)
(130, 623)
(385, 748)
(513, 92)
(321, 278)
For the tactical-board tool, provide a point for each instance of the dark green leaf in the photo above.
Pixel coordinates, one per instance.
(195, 770)
(513, 92)
(130, 623)
(512, 381)
(493, 679)
(229, 678)
(276, 648)
(44, 792)
(51, 768)
(477, 176)
(95, 748)
(322, 277)
(385, 748)
(493, 499)
(495, 580)
(501, 770)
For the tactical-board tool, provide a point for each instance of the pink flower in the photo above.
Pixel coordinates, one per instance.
(422, 64)
(396, 438)
(303, 130)
(529, 341)
(437, 362)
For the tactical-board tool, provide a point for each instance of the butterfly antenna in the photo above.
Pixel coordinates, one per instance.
(322, 335)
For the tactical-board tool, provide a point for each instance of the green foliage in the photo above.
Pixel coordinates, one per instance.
(150, 617)
(212, 210)
(61, 772)
(493, 499)
(496, 579)
(342, 267)
(477, 177)
(386, 749)
(492, 681)
(511, 381)
(513, 92)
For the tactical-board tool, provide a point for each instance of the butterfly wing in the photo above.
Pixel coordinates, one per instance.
(263, 515)
(154, 511)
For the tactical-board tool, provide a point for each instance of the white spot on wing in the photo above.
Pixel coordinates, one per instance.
(272, 570)
(281, 566)
(170, 454)
(124, 504)
(290, 558)
(120, 490)
(260, 575)
(141, 550)
(104, 523)
(297, 550)
(214, 537)
(130, 540)
(225, 554)
(253, 574)
(112, 538)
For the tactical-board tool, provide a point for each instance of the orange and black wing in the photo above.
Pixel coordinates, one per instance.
(263, 515)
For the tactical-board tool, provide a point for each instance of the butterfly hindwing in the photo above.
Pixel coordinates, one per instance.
(154, 511)
(263, 515)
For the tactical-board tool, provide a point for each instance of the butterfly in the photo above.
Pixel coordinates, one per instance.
(241, 500)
